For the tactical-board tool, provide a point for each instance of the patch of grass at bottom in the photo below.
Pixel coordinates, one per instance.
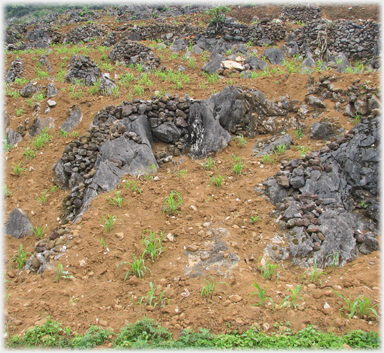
(148, 334)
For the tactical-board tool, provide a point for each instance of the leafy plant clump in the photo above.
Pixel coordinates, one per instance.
(147, 333)
(21, 258)
(153, 245)
(137, 267)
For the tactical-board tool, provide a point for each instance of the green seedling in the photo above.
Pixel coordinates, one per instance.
(43, 198)
(266, 159)
(138, 267)
(6, 191)
(29, 153)
(153, 245)
(75, 134)
(180, 173)
(102, 242)
(357, 118)
(117, 200)
(299, 133)
(303, 150)
(240, 140)
(19, 112)
(21, 258)
(315, 272)
(293, 298)
(7, 146)
(280, 149)
(237, 168)
(39, 231)
(171, 204)
(254, 219)
(131, 184)
(261, 294)
(41, 140)
(335, 259)
(218, 180)
(365, 309)
(109, 222)
(60, 273)
(209, 163)
(63, 133)
(351, 305)
(268, 270)
(209, 288)
(17, 170)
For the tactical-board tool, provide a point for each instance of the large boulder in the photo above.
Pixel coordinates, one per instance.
(18, 224)
(83, 70)
(205, 133)
(213, 65)
(227, 107)
(256, 63)
(28, 90)
(13, 138)
(167, 132)
(275, 56)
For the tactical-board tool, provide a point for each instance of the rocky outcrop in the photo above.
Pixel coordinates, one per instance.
(84, 34)
(75, 116)
(15, 70)
(328, 201)
(81, 68)
(129, 52)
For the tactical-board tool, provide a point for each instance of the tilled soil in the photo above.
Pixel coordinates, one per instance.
(98, 293)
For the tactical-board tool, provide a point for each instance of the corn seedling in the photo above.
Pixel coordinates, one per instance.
(315, 272)
(137, 267)
(209, 288)
(131, 184)
(6, 191)
(217, 180)
(138, 90)
(43, 198)
(41, 140)
(240, 140)
(7, 146)
(212, 78)
(29, 153)
(171, 204)
(268, 270)
(254, 219)
(303, 151)
(261, 294)
(335, 259)
(209, 163)
(293, 298)
(63, 133)
(174, 56)
(75, 134)
(38, 97)
(39, 231)
(109, 222)
(181, 173)
(153, 245)
(21, 258)
(60, 273)
(280, 149)
(19, 112)
(361, 306)
(237, 168)
(117, 200)
(299, 133)
(17, 170)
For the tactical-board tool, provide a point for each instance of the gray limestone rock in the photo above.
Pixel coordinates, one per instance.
(18, 224)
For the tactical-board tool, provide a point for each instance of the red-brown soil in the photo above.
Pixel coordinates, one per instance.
(98, 293)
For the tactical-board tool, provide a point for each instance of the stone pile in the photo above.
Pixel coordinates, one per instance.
(81, 68)
(79, 15)
(303, 13)
(167, 33)
(15, 70)
(48, 250)
(323, 201)
(84, 34)
(357, 40)
(359, 99)
(232, 31)
(129, 52)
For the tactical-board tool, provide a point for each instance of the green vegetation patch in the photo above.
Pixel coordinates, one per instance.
(148, 334)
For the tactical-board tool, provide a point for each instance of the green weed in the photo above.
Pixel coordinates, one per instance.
(131, 184)
(29, 153)
(254, 219)
(117, 200)
(268, 270)
(299, 133)
(43, 198)
(6, 191)
(237, 168)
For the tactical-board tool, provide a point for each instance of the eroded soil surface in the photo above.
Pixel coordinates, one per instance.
(98, 293)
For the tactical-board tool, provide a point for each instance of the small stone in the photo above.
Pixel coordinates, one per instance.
(51, 103)
(191, 248)
(235, 298)
(103, 323)
(266, 326)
